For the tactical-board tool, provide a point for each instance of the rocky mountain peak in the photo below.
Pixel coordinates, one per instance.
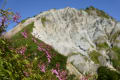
(85, 36)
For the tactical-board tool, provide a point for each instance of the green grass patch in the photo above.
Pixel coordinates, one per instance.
(23, 21)
(116, 61)
(102, 45)
(18, 40)
(115, 35)
(94, 56)
(43, 20)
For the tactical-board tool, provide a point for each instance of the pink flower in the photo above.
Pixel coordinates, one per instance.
(57, 66)
(22, 50)
(16, 17)
(48, 56)
(41, 44)
(46, 52)
(39, 48)
(44, 49)
(54, 71)
(24, 34)
(61, 75)
(49, 60)
(26, 73)
(42, 67)
(84, 78)
(34, 40)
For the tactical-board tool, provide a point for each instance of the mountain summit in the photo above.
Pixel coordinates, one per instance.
(89, 38)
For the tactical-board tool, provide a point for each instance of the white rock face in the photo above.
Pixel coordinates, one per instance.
(74, 33)
(71, 31)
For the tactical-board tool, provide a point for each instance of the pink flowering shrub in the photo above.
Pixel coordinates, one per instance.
(60, 74)
(6, 17)
(33, 59)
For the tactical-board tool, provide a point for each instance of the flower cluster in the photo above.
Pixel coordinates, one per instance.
(60, 74)
(6, 17)
(42, 67)
(34, 40)
(21, 50)
(16, 17)
(5, 20)
(45, 51)
(24, 34)
(26, 73)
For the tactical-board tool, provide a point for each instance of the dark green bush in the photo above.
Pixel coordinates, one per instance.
(105, 73)
(116, 61)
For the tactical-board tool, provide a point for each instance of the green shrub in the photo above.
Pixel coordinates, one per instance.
(23, 21)
(11, 66)
(116, 61)
(105, 73)
(102, 45)
(100, 13)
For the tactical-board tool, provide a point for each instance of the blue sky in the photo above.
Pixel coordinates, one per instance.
(29, 8)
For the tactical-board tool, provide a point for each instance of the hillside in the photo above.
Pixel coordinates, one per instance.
(88, 38)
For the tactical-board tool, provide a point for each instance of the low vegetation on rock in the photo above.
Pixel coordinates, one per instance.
(94, 55)
(90, 10)
(43, 20)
